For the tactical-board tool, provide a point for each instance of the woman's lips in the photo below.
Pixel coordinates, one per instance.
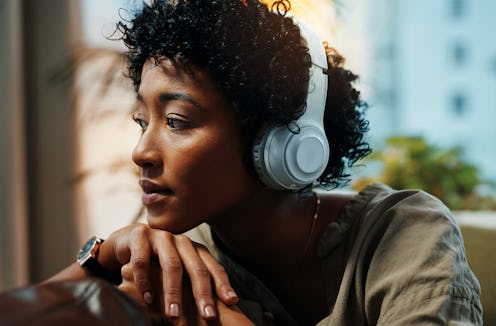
(153, 193)
(152, 198)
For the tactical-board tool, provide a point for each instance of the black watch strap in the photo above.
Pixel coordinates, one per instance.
(97, 270)
(87, 259)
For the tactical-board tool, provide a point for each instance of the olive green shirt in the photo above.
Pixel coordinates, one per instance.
(392, 258)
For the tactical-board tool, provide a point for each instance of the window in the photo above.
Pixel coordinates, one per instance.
(459, 104)
(458, 8)
(459, 54)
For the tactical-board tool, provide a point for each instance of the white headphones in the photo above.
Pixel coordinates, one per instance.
(295, 155)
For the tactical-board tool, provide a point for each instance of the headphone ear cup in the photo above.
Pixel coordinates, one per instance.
(286, 159)
(257, 153)
(260, 158)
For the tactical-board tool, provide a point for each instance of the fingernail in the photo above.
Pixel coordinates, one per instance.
(147, 296)
(231, 294)
(209, 311)
(174, 310)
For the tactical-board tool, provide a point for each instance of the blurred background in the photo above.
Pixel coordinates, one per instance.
(427, 70)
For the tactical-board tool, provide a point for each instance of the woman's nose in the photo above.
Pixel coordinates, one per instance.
(147, 153)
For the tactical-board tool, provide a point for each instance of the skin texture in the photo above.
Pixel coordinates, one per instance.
(190, 147)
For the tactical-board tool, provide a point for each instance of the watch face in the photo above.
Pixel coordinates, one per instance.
(86, 249)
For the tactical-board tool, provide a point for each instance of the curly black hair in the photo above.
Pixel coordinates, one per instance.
(260, 64)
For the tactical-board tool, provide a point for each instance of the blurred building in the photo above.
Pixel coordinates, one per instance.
(432, 72)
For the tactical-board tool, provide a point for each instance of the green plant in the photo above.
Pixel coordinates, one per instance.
(411, 162)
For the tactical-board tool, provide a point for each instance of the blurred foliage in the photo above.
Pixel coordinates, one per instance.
(410, 162)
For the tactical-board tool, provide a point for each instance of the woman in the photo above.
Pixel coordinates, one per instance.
(211, 78)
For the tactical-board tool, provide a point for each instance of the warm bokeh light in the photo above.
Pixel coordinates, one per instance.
(338, 23)
(321, 14)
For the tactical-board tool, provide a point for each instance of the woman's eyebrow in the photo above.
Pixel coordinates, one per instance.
(166, 97)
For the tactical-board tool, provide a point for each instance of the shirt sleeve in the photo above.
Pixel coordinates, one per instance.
(417, 273)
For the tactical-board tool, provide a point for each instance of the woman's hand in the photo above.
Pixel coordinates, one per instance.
(227, 315)
(137, 246)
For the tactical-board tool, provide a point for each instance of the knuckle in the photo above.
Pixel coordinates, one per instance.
(218, 270)
(126, 271)
(180, 238)
(159, 235)
(124, 286)
(173, 291)
(173, 265)
(139, 230)
(139, 263)
(142, 283)
(200, 272)
(204, 293)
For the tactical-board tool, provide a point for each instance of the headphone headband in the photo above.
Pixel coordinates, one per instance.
(285, 159)
(317, 85)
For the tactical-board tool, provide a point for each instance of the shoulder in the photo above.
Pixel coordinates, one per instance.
(377, 199)
(378, 211)
(412, 254)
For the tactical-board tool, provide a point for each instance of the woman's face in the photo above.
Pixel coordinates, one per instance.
(190, 151)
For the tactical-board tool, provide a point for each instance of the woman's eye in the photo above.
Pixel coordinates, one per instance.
(142, 123)
(177, 124)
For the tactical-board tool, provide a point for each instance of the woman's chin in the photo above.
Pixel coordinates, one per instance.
(167, 224)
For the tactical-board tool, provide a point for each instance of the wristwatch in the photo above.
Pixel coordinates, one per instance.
(87, 258)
